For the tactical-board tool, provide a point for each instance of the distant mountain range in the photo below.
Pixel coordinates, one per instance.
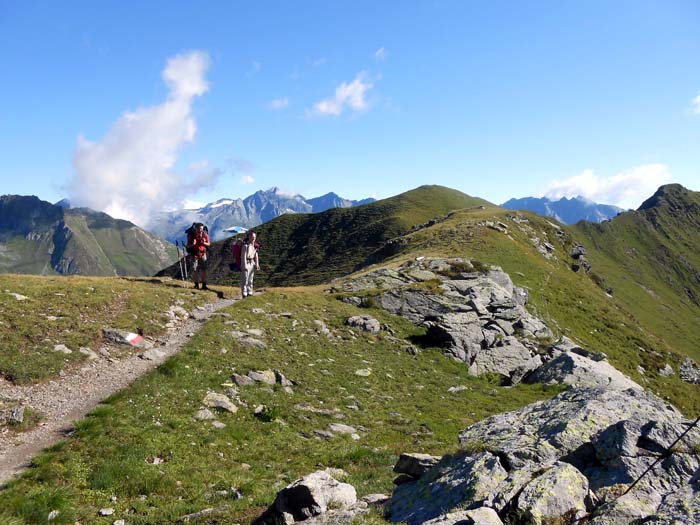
(567, 211)
(43, 238)
(260, 207)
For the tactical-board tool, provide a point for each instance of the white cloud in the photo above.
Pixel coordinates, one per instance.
(696, 104)
(627, 189)
(319, 62)
(129, 172)
(278, 103)
(255, 68)
(347, 96)
(247, 179)
(381, 54)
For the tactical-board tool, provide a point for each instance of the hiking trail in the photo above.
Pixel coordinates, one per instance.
(64, 400)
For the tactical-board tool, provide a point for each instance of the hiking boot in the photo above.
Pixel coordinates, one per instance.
(196, 286)
(204, 286)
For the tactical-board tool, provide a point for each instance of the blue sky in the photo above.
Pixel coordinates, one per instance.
(132, 106)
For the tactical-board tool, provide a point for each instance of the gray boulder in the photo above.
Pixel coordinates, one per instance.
(310, 496)
(560, 491)
(480, 516)
(415, 464)
(455, 481)
(364, 322)
(417, 305)
(575, 370)
(505, 359)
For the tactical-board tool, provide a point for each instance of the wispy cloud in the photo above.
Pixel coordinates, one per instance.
(695, 105)
(255, 68)
(278, 103)
(129, 172)
(381, 54)
(350, 96)
(247, 179)
(319, 62)
(627, 189)
(239, 164)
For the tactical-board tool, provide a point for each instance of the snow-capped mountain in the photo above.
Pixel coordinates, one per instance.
(567, 211)
(260, 207)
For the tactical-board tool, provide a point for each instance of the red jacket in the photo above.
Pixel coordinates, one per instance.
(197, 241)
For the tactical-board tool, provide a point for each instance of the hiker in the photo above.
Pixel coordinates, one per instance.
(197, 244)
(249, 263)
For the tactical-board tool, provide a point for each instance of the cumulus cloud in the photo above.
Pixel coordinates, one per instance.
(695, 104)
(278, 103)
(627, 189)
(129, 172)
(247, 179)
(381, 54)
(347, 96)
(241, 165)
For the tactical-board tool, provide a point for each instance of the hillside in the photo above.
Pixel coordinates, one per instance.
(315, 248)
(37, 237)
(651, 259)
(302, 379)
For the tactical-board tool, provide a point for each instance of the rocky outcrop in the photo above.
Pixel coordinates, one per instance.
(480, 318)
(561, 459)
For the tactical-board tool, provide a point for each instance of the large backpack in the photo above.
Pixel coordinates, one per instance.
(237, 250)
(191, 250)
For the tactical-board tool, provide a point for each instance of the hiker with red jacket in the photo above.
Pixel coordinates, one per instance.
(197, 244)
(249, 263)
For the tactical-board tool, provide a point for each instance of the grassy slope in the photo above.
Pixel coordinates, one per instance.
(403, 405)
(651, 259)
(571, 303)
(154, 418)
(81, 306)
(314, 248)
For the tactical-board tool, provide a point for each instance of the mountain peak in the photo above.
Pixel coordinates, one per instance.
(668, 194)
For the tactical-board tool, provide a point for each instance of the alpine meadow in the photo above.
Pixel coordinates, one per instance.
(350, 263)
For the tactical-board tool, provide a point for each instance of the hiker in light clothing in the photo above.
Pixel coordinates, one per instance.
(249, 263)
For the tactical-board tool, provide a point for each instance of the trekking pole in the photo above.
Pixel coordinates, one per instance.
(179, 261)
(184, 261)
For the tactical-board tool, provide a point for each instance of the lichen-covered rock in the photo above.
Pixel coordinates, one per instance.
(454, 481)
(415, 464)
(263, 376)
(366, 323)
(480, 516)
(504, 360)
(214, 400)
(559, 492)
(576, 370)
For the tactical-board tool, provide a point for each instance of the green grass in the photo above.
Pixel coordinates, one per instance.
(572, 303)
(404, 405)
(72, 311)
(309, 249)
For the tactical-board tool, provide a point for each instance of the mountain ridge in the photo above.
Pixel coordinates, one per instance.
(249, 212)
(566, 211)
(44, 238)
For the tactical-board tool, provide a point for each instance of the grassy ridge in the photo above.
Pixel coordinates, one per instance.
(403, 405)
(303, 249)
(651, 259)
(572, 304)
(72, 311)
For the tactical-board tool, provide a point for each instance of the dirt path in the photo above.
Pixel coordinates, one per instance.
(64, 400)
